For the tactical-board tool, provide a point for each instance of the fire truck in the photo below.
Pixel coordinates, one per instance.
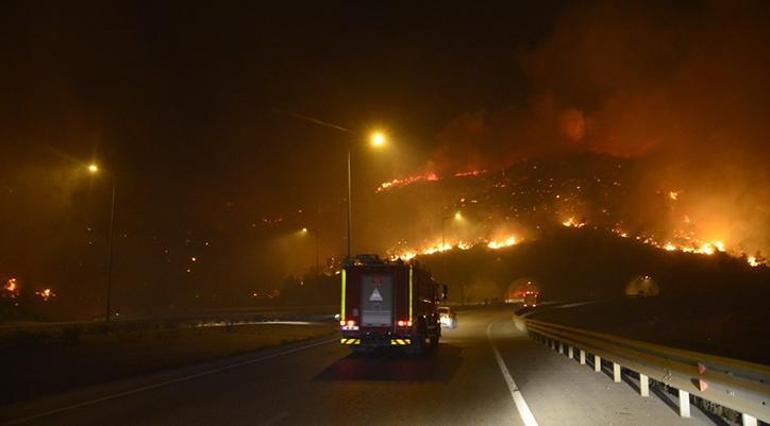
(389, 304)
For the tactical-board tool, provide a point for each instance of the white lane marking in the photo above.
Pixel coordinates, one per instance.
(521, 405)
(167, 382)
(225, 324)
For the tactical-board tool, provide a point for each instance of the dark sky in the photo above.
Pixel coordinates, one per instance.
(177, 93)
(178, 101)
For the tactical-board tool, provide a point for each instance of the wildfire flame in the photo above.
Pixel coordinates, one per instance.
(11, 288)
(573, 223)
(471, 173)
(691, 245)
(681, 241)
(425, 177)
(395, 183)
(460, 245)
(494, 245)
(46, 294)
(684, 244)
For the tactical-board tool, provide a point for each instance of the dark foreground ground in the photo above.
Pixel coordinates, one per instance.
(320, 382)
(37, 363)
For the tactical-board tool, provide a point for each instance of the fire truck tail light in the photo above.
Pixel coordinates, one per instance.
(349, 325)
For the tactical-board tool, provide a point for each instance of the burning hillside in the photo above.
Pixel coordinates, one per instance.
(503, 208)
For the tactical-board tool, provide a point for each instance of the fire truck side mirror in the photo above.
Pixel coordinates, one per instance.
(445, 293)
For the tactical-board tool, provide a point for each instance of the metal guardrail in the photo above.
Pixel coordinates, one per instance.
(738, 385)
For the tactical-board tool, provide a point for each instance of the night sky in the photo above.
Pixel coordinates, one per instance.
(184, 105)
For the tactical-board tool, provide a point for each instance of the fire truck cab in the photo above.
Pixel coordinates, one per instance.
(388, 304)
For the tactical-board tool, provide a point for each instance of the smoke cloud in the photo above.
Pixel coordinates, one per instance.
(681, 87)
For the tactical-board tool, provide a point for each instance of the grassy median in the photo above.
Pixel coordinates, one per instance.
(36, 364)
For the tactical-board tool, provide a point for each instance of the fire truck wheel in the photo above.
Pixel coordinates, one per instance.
(418, 345)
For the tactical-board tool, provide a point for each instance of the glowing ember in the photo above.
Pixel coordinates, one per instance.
(395, 183)
(573, 223)
(674, 195)
(426, 177)
(46, 294)
(471, 173)
(753, 261)
(409, 255)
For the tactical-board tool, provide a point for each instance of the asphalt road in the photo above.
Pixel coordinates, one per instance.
(320, 382)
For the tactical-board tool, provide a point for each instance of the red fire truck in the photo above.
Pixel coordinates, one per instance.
(388, 304)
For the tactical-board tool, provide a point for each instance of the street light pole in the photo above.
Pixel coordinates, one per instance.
(350, 209)
(110, 241)
(377, 139)
(317, 254)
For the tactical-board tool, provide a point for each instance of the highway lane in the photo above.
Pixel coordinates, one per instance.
(461, 383)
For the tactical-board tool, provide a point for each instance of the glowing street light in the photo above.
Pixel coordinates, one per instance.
(305, 231)
(457, 217)
(93, 168)
(378, 139)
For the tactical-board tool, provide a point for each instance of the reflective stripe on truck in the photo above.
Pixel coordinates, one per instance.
(342, 302)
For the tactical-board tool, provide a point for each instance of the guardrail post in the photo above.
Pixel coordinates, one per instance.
(644, 385)
(684, 403)
(748, 420)
(582, 357)
(597, 363)
(570, 351)
(616, 372)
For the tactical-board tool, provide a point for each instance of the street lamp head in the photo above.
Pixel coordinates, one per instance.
(378, 139)
(458, 215)
(93, 168)
(303, 230)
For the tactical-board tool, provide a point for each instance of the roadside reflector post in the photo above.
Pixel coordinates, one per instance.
(582, 357)
(684, 403)
(570, 351)
(644, 385)
(748, 420)
(597, 363)
(411, 292)
(616, 372)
